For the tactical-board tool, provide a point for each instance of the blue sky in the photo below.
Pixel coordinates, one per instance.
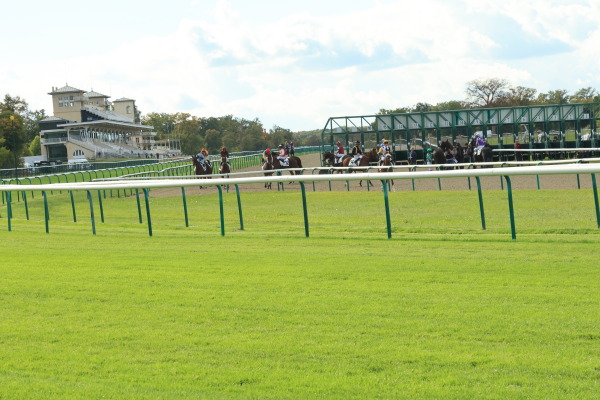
(290, 63)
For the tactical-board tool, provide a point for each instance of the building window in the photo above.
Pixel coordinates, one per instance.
(128, 109)
(78, 153)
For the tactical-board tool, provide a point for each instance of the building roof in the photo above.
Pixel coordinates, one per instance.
(51, 119)
(107, 122)
(108, 115)
(123, 99)
(92, 94)
(65, 89)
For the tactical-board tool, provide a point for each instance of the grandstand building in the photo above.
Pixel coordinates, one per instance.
(87, 124)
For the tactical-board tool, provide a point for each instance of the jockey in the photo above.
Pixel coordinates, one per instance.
(265, 154)
(203, 158)
(429, 157)
(339, 153)
(383, 150)
(356, 153)
(224, 152)
(479, 143)
(282, 157)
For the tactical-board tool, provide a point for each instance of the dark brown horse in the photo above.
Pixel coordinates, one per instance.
(268, 166)
(387, 163)
(365, 161)
(202, 169)
(483, 155)
(329, 159)
(225, 168)
(294, 162)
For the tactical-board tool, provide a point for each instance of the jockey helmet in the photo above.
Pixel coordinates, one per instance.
(280, 146)
(357, 142)
(338, 143)
(203, 151)
(429, 150)
(268, 151)
(385, 141)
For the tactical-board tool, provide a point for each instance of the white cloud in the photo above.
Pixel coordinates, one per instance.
(296, 69)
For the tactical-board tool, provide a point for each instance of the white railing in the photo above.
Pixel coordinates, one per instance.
(185, 181)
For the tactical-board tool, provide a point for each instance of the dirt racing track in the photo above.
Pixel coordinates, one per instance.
(552, 182)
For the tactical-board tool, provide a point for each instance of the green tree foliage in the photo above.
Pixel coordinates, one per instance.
(450, 105)
(559, 96)
(585, 95)
(35, 147)
(12, 136)
(15, 135)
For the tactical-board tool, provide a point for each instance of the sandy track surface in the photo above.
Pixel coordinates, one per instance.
(313, 160)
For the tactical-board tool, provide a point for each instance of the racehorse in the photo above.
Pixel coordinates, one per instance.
(294, 162)
(439, 154)
(329, 159)
(202, 169)
(483, 155)
(388, 162)
(225, 168)
(268, 166)
(365, 161)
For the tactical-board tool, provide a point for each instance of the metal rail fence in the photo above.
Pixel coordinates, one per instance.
(383, 177)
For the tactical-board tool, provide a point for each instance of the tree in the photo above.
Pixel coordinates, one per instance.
(559, 96)
(584, 95)
(12, 135)
(451, 105)
(212, 141)
(422, 107)
(485, 93)
(400, 110)
(35, 147)
(517, 96)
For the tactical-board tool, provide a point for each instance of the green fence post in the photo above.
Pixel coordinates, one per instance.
(348, 182)
(9, 209)
(501, 182)
(185, 212)
(239, 200)
(26, 206)
(537, 176)
(137, 196)
(330, 172)
(480, 195)
(388, 220)
(468, 177)
(101, 206)
(221, 210)
(578, 181)
(89, 196)
(146, 194)
(73, 206)
(595, 189)
(412, 169)
(46, 212)
(304, 209)
(510, 208)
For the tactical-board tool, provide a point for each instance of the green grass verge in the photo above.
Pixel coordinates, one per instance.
(442, 310)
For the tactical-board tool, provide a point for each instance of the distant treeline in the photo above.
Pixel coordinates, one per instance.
(495, 92)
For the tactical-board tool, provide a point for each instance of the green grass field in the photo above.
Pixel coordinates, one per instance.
(441, 310)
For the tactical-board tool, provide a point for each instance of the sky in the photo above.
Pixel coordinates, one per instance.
(293, 64)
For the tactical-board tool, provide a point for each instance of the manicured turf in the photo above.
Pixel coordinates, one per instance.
(441, 310)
